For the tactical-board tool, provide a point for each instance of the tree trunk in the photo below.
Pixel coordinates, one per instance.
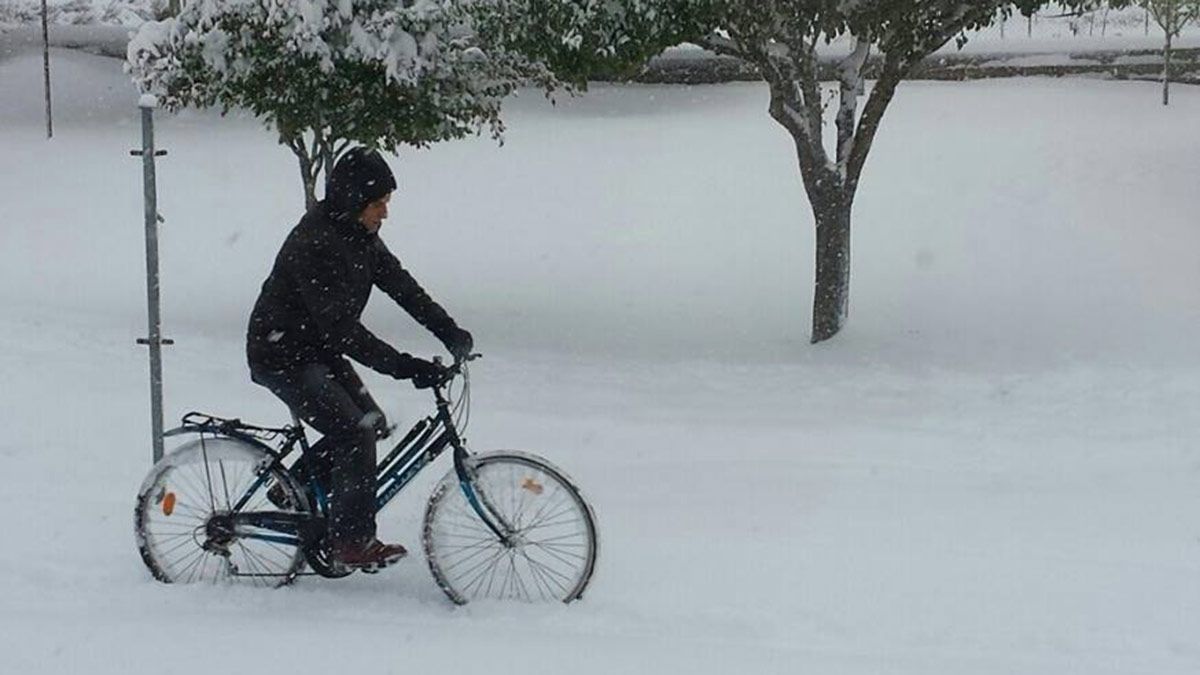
(327, 162)
(315, 159)
(831, 298)
(307, 177)
(1166, 76)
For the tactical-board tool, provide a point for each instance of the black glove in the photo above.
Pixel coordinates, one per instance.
(426, 374)
(460, 343)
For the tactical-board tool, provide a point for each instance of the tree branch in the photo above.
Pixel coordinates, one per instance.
(877, 103)
(849, 79)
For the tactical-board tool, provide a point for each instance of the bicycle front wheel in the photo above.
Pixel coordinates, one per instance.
(552, 548)
(186, 518)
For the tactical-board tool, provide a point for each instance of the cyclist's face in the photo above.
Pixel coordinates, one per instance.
(374, 213)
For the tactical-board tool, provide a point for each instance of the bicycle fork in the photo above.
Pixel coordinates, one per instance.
(490, 516)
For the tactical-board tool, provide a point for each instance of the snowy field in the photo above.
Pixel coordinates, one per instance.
(993, 470)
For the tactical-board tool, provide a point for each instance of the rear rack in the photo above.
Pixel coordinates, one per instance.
(198, 421)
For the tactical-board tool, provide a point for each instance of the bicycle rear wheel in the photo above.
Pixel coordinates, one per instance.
(553, 543)
(184, 517)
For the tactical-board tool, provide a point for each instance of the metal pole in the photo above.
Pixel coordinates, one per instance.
(154, 340)
(46, 69)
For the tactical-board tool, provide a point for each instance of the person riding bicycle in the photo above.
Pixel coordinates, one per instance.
(306, 322)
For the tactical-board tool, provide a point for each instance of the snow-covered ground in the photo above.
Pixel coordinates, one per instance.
(993, 470)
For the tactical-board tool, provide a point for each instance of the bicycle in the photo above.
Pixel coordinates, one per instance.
(503, 525)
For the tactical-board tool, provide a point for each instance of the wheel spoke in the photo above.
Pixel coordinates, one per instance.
(200, 554)
(553, 573)
(557, 548)
(470, 522)
(565, 521)
(518, 580)
(538, 516)
(491, 579)
(188, 483)
(547, 573)
(557, 556)
(251, 565)
(208, 477)
(167, 536)
(195, 513)
(483, 550)
(225, 485)
(484, 567)
(538, 576)
(477, 544)
(561, 537)
(178, 545)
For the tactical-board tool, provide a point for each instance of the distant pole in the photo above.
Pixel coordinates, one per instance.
(1166, 75)
(46, 68)
(154, 321)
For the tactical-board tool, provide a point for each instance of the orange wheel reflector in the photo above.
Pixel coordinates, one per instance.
(168, 504)
(532, 485)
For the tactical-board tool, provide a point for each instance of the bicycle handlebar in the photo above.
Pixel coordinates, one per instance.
(454, 369)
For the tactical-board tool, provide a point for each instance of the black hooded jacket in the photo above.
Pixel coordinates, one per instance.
(309, 307)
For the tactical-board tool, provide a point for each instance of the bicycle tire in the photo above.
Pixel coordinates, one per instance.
(554, 555)
(181, 502)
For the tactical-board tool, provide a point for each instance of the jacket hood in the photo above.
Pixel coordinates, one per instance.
(360, 177)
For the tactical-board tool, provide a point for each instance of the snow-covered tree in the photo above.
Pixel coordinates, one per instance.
(578, 39)
(1171, 16)
(790, 41)
(329, 73)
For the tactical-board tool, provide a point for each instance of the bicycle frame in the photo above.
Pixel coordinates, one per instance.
(427, 440)
(395, 474)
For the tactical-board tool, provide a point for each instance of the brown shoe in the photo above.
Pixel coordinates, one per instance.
(369, 557)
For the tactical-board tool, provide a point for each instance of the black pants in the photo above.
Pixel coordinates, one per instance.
(332, 399)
